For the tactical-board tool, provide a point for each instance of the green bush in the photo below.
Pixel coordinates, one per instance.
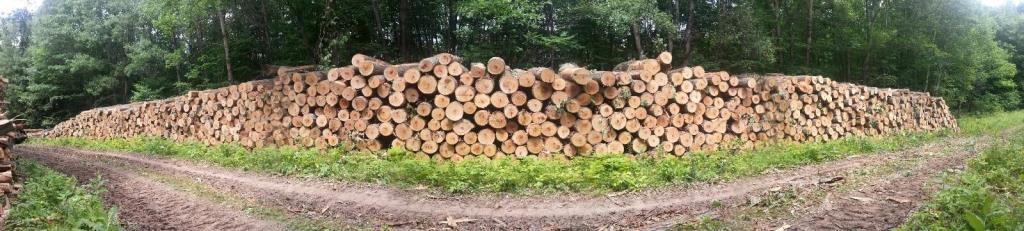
(53, 201)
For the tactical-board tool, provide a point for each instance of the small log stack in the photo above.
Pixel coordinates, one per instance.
(11, 132)
(444, 108)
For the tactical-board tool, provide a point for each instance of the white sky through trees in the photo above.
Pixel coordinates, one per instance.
(998, 2)
(8, 6)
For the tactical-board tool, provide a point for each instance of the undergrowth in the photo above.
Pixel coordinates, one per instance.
(990, 124)
(53, 201)
(989, 195)
(597, 173)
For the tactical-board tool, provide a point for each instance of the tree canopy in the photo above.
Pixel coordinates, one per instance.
(72, 55)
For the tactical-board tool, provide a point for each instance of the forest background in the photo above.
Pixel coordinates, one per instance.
(67, 56)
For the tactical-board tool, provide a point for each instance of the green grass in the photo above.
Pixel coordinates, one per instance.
(53, 201)
(990, 124)
(989, 195)
(598, 173)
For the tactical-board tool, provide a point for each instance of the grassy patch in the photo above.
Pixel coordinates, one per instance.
(990, 124)
(704, 223)
(989, 195)
(53, 201)
(598, 173)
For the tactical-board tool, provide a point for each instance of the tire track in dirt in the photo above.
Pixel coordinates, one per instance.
(882, 204)
(872, 198)
(876, 198)
(147, 205)
(886, 202)
(373, 206)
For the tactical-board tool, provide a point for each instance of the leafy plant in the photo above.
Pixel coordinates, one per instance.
(53, 201)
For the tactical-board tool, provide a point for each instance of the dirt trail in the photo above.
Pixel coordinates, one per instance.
(146, 205)
(883, 204)
(886, 202)
(877, 197)
(374, 206)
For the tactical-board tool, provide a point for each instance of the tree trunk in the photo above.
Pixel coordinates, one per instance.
(636, 38)
(687, 52)
(427, 37)
(549, 29)
(927, 78)
(866, 66)
(321, 33)
(403, 31)
(810, 32)
(267, 49)
(870, 12)
(847, 65)
(777, 32)
(300, 22)
(377, 30)
(453, 23)
(177, 66)
(227, 49)
(25, 32)
(125, 88)
(675, 25)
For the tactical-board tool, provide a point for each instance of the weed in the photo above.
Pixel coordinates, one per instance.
(705, 223)
(989, 195)
(53, 201)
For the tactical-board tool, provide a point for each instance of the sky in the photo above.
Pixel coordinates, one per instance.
(7, 6)
(998, 2)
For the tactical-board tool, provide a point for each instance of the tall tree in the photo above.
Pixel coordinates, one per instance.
(688, 49)
(227, 48)
(810, 32)
(871, 8)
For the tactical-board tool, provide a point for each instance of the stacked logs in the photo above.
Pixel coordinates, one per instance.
(11, 132)
(447, 109)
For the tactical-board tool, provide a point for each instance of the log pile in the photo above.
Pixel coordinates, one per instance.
(11, 132)
(445, 108)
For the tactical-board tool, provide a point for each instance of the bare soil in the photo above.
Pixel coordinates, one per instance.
(886, 202)
(881, 205)
(148, 205)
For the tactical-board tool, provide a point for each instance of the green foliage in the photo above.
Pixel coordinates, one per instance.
(989, 195)
(53, 201)
(143, 92)
(73, 55)
(597, 173)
